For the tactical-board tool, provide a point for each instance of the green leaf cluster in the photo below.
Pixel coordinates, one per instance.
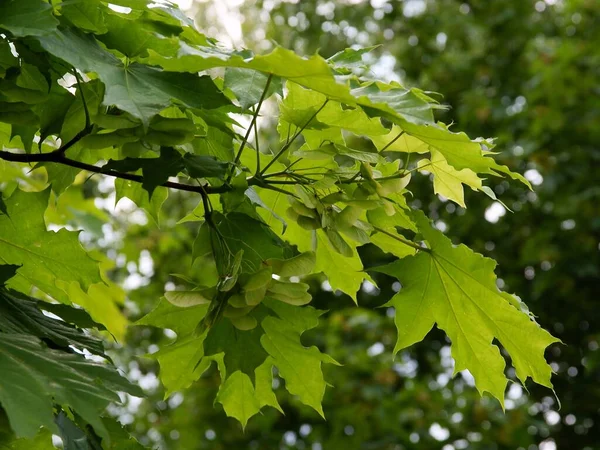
(125, 95)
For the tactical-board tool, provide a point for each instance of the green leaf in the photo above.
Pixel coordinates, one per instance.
(181, 320)
(448, 181)
(455, 288)
(302, 118)
(156, 171)
(20, 314)
(299, 366)
(141, 197)
(343, 273)
(140, 90)
(7, 59)
(53, 111)
(200, 166)
(27, 17)
(390, 219)
(258, 241)
(35, 377)
(184, 361)
(248, 85)
(31, 78)
(350, 58)
(102, 301)
(41, 441)
(256, 200)
(312, 73)
(405, 102)
(45, 256)
(398, 140)
(357, 155)
(333, 114)
(241, 350)
(87, 15)
(460, 151)
(75, 316)
(180, 362)
(73, 437)
(238, 398)
(134, 34)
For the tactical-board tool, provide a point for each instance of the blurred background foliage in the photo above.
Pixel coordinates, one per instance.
(527, 72)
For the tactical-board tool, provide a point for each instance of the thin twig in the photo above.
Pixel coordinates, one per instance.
(85, 108)
(291, 141)
(86, 130)
(256, 144)
(391, 142)
(249, 130)
(405, 168)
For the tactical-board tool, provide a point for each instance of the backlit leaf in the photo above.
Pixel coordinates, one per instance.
(455, 288)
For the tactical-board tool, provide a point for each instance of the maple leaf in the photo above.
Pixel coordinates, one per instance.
(455, 289)
(45, 256)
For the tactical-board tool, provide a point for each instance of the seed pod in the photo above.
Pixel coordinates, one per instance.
(291, 293)
(234, 313)
(308, 223)
(339, 244)
(302, 209)
(302, 264)
(237, 301)
(186, 299)
(244, 323)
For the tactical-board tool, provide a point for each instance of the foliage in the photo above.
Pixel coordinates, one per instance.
(101, 91)
(522, 71)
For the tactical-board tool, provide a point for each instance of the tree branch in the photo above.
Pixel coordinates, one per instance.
(58, 158)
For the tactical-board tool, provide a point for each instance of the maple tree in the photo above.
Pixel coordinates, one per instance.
(90, 89)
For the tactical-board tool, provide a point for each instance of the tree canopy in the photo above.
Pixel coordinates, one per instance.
(135, 93)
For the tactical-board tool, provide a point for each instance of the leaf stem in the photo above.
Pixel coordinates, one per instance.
(251, 126)
(85, 108)
(291, 141)
(257, 148)
(403, 240)
(391, 142)
(86, 130)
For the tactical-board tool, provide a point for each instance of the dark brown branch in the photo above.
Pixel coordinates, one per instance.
(58, 158)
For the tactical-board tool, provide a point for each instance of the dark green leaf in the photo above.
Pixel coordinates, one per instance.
(140, 90)
(20, 314)
(7, 271)
(35, 377)
(46, 256)
(156, 171)
(27, 17)
(248, 85)
(75, 316)
(199, 166)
